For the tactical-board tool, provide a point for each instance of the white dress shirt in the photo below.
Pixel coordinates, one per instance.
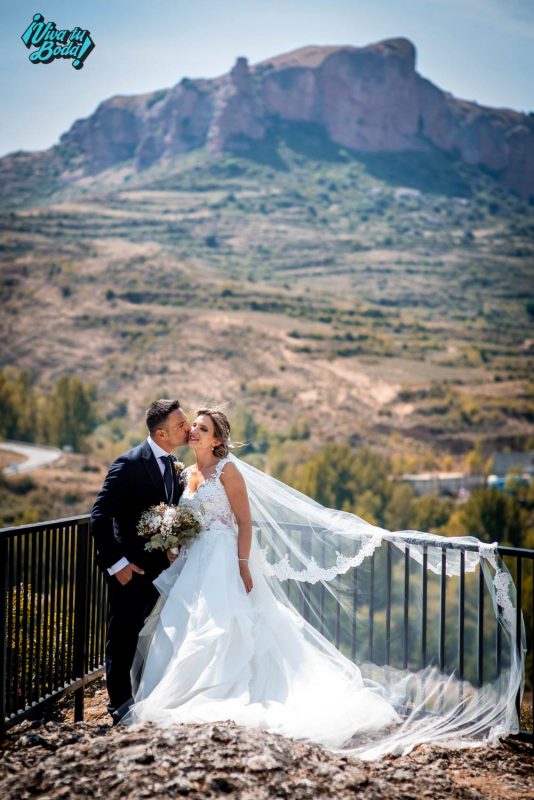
(159, 453)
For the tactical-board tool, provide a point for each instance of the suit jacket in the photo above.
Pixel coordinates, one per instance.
(134, 483)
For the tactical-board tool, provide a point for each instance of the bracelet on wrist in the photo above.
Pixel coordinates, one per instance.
(242, 559)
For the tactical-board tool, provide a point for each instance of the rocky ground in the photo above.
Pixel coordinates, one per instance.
(57, 758)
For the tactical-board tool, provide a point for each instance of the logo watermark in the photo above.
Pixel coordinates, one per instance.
(52, 44)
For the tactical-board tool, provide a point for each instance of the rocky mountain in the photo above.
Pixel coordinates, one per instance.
(241, 223)
(368, 100)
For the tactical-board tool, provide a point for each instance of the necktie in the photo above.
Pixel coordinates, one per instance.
(168, 477)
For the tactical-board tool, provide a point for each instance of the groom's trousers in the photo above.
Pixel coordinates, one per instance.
(128, 608)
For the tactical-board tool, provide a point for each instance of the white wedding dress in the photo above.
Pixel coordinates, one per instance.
(210, 651)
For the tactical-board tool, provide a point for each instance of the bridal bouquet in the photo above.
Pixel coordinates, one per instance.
(168, 527)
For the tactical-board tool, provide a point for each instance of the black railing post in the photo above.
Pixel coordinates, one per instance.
(371, 607)
(4, 610)
(480, 626)
(518, 624)
(322, 592)
(337, 637)
(354, 611)
(388, 604)
(461, 617)
(442, 602)
(80, 618)
(424, 607)
(405, 620)
(306, 544)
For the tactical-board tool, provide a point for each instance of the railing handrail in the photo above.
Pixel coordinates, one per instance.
(43, 526)
(520, 552)
(503, 550)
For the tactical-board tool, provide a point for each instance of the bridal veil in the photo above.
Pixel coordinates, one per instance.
(430, 621)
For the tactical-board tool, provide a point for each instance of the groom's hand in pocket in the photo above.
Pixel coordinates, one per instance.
(126, 574)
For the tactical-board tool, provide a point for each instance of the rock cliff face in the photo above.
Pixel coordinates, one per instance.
(368, 99)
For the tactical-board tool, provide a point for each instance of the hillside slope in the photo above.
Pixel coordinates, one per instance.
(320, 288)
(376, 297)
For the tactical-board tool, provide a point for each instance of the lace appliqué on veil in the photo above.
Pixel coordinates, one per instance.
(502, 581)
(314, 573)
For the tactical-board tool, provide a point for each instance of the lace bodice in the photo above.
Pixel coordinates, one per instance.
(210, 500)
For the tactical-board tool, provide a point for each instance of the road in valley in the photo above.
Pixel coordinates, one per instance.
(36, 456)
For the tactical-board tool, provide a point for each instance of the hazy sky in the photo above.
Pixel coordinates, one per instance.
(480, 50)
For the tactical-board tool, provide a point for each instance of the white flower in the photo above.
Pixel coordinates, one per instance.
(168, 526)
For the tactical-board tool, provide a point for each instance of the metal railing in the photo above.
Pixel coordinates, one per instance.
(397, 614)
(53, 604)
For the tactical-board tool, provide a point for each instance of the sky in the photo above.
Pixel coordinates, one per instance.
(480, 50)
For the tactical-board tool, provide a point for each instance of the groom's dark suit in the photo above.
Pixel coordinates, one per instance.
(133, 484)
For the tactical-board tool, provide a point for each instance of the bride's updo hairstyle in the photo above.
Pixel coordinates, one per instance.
(221, 430)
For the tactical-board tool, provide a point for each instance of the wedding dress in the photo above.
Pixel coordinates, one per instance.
(209, 651)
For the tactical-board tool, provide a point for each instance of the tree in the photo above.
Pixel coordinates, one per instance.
(492, 516)
(430, 513)
(399, 515)
(475, 461)
(8, 411)
(328, 477)
(244, 429)
(338, 477)
(71, 413)
(368, 507)
(18, 405)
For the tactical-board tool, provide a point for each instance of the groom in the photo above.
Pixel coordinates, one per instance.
(138, 479)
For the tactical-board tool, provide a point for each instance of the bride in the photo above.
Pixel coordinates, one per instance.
(238, 630)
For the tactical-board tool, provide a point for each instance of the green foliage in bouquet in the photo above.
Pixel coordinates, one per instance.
(167, 526)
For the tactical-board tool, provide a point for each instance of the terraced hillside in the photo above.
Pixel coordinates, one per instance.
(365, 296)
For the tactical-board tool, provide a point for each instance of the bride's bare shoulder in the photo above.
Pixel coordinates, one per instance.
(230, 473)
